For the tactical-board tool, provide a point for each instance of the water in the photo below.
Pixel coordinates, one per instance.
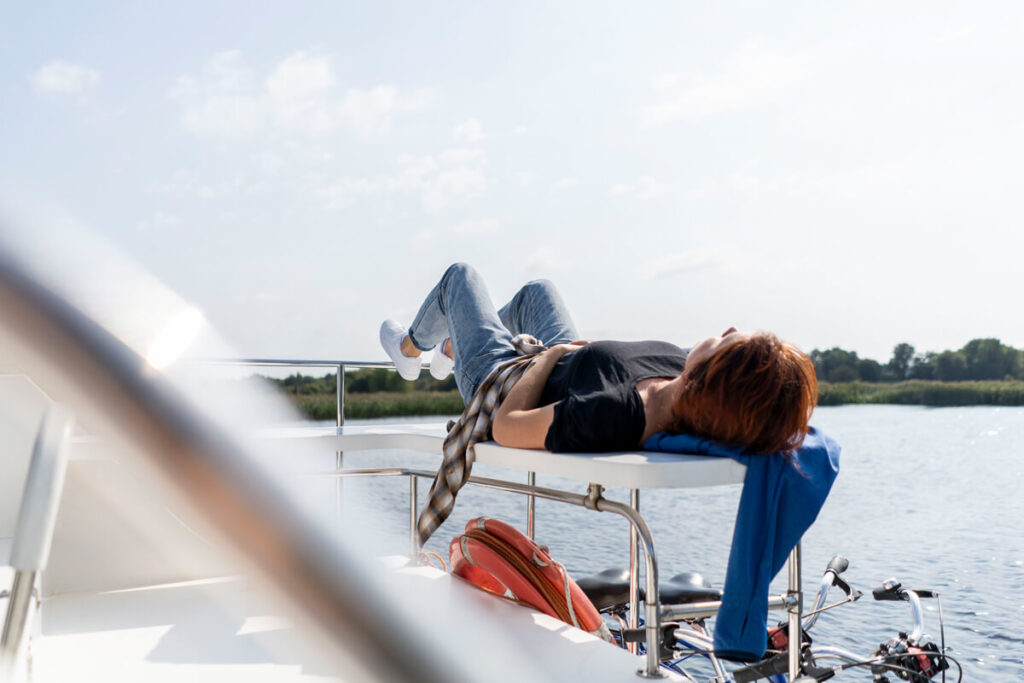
(934, 497)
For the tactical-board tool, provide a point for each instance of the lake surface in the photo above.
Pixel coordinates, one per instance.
(932, 496)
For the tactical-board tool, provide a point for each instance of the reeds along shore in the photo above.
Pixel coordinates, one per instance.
(925, 393)
(322, 406)
(380, 404)
(372, 393)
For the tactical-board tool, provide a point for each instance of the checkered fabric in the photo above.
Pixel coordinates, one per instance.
(472, 427)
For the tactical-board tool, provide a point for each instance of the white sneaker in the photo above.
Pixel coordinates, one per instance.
(391, 336)
(441, 365)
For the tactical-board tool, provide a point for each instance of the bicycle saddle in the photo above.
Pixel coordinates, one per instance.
(607, 589)
(687, 587)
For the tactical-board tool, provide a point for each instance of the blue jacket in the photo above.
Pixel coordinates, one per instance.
(781, 499)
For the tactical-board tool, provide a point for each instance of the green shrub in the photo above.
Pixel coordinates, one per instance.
(927, 393)
(380, 404)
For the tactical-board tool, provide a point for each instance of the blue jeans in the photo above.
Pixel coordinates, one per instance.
(459, 307)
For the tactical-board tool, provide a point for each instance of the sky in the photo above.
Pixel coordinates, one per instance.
(843, 174)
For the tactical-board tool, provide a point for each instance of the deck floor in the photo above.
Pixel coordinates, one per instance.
(216, 630)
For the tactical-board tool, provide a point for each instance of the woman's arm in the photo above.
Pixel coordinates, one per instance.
(519, 423)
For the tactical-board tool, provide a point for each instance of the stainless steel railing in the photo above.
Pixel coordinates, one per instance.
(340, 366)
(639, 532)
(640, 535)
(593, 500)
(34, 531)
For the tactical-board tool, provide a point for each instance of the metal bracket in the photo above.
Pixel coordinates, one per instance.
(595, 494)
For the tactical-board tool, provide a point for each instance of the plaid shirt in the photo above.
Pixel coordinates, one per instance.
(472, 427)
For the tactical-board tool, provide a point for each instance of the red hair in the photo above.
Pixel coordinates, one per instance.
(757, 393)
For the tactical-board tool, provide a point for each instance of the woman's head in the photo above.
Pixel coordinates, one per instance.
(750, 390)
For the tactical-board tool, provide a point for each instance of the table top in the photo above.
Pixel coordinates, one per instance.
(635, 470)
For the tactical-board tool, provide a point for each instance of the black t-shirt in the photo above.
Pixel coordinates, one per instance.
(599, 408)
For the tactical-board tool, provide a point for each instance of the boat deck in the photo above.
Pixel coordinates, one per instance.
(223, 629)
(214, 629)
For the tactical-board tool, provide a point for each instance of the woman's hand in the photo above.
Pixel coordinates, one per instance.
(518, 422)
(562, 349)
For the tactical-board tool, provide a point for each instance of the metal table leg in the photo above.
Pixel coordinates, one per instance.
(795, 613)
(634, 569)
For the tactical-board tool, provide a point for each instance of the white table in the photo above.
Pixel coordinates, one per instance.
(631, 470)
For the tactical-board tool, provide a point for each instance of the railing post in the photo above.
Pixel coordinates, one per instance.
(795, 613)
(634, 568)
(15, 630)
(531, 507)
(652, 605)
(33, 532)
(414, 536)
(340, 422)
(341, 395)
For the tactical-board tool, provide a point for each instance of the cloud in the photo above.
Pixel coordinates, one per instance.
(63, 78)
(300, 76)
(346, 191)
(478, 227)
(222, 100)
(451, 176)
(519, 130)
(691, 260)
(564, 184)
(542, 261)
(956, 35)
(297, 97)
(525, 178)
(269, 162)
(188, 184)
(751, 75)
(838, 185)
(468, 132)
(644, 187)
(159, 222)
(464, 156)
(372, 112)
(470, 228)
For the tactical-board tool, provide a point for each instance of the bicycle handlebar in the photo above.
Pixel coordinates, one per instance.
(905, 654)
(915, 607)
(836, 566)
(892, 589)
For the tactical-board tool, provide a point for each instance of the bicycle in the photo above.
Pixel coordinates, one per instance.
(908, 656)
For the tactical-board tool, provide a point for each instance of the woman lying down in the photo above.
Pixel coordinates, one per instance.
(742, 389)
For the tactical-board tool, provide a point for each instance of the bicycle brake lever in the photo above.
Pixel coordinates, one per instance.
(891, 589)
(852, 593)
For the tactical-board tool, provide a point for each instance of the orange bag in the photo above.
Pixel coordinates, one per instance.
(498, 558)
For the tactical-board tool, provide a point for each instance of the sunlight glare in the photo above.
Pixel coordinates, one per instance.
(175, 337)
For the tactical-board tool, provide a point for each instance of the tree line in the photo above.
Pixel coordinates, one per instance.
(363, 381)
(979, 359)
